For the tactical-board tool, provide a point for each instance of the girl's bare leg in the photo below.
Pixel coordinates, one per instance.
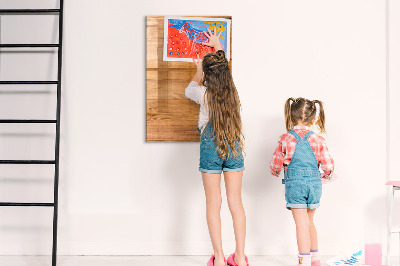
(212, 188)
(302, 221)
(313, 230)
(233, 183)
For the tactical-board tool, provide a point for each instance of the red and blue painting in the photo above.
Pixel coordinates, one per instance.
(183, 37)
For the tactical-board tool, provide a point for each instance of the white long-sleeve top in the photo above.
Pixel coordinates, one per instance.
(196, 93)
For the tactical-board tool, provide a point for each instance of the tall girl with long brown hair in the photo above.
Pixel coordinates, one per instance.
(302, 153)
(220, 148)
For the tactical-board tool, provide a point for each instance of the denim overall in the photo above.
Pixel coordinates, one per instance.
(211, 162)
(302, 181)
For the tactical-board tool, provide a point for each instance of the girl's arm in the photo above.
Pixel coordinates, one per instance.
(194, 91)
(277, 159)
(327, 163)
(199, 72)
(213, 39)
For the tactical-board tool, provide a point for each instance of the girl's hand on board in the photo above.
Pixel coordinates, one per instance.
(213, 39)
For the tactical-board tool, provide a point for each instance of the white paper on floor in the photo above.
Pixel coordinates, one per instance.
(350, 258)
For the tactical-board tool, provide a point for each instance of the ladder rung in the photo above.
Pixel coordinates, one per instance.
(28, 11)
(27, 161)
(29, 204)
(29, 82)
(27, 121)
(395, 231)
(33, 45)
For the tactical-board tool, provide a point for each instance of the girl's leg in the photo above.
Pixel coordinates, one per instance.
(315, 261)
(302, 221)
(212, 188)
(233, 184)
(313, 231)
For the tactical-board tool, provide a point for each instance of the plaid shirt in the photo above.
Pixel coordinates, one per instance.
(287, 144)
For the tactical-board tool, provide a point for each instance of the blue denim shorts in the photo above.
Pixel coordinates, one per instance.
(210, 160)
(303, 193)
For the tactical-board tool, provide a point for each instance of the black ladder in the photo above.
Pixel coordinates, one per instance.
(57, 82)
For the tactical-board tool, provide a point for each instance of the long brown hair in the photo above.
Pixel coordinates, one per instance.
(223, 104)
(303, 110)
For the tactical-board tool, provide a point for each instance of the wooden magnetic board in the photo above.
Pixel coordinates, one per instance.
(170, 116)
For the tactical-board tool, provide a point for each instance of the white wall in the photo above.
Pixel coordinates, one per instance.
(121, 195)
(394, 110)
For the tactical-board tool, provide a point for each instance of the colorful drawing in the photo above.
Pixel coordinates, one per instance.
(183, 37)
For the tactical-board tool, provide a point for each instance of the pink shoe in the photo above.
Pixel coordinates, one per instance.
(316, 263)
(231, 260)
(211, 261)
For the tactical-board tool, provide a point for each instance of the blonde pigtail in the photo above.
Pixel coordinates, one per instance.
(288, 114)
(321, 116)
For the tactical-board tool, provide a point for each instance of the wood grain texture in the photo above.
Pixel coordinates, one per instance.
(171, 117)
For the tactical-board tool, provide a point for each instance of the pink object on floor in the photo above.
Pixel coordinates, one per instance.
(333, 178)
(393, 183)
(231, 260)
(211, 261)
(373, 254)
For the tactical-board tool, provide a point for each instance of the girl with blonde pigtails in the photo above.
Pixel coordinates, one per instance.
(302, 154)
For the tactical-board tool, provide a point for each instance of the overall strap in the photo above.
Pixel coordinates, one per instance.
(294, 133)
(308, 134)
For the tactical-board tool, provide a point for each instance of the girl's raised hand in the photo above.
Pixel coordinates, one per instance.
(213, 39)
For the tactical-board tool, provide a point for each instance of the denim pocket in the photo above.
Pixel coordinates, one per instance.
(293, 190)
(317, 190)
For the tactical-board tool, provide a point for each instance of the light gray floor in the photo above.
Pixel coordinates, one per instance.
(136, 260)
(145, 260)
